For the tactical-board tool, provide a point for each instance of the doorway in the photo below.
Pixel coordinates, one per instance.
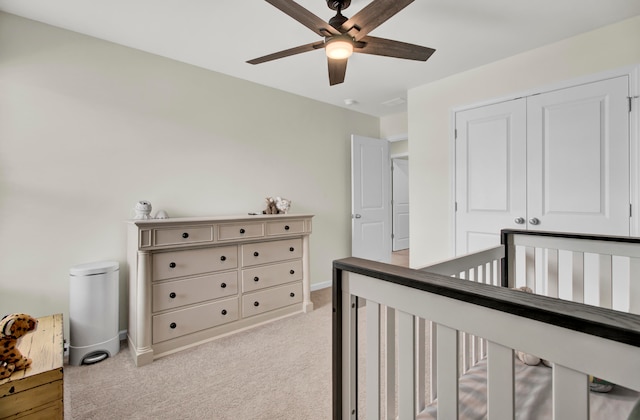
(380, 211)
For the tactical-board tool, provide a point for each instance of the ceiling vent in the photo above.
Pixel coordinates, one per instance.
(395, 102)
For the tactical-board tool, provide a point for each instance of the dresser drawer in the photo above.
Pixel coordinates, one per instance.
(240, 231)
(186, 321)
(177, 293)
(271, 275)
(267, 252)
(269, 299)
(287, 227)
(167, 265)
(183, 235)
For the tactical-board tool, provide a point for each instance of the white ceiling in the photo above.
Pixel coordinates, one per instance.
(222, 35)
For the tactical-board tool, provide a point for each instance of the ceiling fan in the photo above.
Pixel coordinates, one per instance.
(344, 36)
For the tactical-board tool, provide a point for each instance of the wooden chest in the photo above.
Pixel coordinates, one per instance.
(36, 393)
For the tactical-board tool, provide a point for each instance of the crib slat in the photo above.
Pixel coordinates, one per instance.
(634, 285)
(433, 360)
(373, 360)
(349, 356)
(552, 273)
(577, 277)
(530, 267)
(500, 383)
(406, 366)
(606, 297)
(420, 364)
(447, 348)
(570, 394)
(390, 349)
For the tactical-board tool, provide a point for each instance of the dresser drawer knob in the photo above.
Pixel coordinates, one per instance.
(223, 258)
(172, 295)
(242, 230)
(292, 249)
(256, 303)
(292, 294)
(286, 227)
(255, 254)
(185, 235)
(256, 278)
(172, 265)
(291, 271)
(224, 312)
(223, 285)
(173, 325)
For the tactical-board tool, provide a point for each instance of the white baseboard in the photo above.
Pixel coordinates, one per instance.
(320, 286)
(123, 335)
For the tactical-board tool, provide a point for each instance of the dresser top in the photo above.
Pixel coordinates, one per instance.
(217, 219)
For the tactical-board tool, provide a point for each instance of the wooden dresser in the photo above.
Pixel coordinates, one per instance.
(194, 279)
(37, 392)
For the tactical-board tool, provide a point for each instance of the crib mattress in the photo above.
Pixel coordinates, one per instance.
(533, 396)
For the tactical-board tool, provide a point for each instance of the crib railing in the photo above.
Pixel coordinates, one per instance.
(460, 312)
(597, 270)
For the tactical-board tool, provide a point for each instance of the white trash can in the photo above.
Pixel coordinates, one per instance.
(93, 312)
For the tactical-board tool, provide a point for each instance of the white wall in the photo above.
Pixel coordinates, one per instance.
(88, 128)
(430, 115)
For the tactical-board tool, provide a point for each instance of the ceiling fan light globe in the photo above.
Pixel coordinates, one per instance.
(339, 49)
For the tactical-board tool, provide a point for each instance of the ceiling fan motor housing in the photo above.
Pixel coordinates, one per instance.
(338, 4)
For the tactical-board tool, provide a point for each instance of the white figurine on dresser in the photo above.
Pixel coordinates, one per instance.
(194, 279)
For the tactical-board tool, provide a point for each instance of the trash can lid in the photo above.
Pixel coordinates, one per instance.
(99, 267)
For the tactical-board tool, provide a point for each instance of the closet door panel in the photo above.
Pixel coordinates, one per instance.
(578, 154)
(490, 173)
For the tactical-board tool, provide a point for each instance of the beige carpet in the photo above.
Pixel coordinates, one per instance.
(281, 370)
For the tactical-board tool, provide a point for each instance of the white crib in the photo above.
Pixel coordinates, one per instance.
(406, 342)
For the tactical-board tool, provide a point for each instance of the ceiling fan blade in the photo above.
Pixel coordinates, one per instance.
(373, 15)
(305, 17)
(287, 53)
(390, 48)
(337, 70)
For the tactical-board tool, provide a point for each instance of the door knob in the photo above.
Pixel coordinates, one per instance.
(357, 216)
(534, 221)
(519, 220)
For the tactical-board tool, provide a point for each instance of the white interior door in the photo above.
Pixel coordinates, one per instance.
(400, 203)
(370, 199)
(579, 138)
(490, 174)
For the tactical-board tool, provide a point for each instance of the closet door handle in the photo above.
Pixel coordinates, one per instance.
(519, 220)
(534, 221)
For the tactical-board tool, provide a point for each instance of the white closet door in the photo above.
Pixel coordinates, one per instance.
(578, 155)
(491, 169)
